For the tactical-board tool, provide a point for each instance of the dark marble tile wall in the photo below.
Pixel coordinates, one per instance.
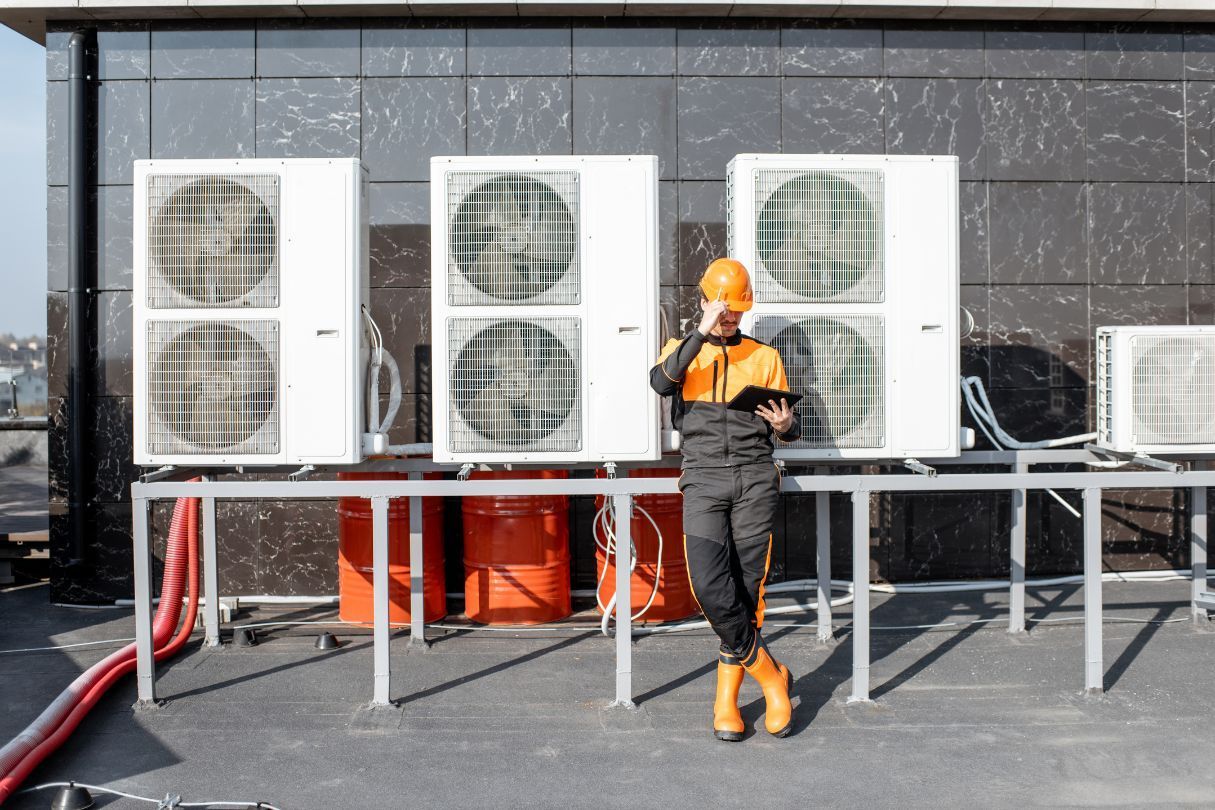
(1087, 166)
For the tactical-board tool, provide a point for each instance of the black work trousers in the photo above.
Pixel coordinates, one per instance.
(727, 524)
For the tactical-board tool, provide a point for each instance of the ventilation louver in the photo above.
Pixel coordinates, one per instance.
(836, 362)
(818, 236)
(513, 238)
(213, 387)
(213, 240)
(514, 384)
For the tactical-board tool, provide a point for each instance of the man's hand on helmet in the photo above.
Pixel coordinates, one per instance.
(713, 311)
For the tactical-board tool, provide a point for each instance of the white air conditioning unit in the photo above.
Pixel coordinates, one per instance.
(249, 280)
(854, 264)
(544, 308)
(1156, 388)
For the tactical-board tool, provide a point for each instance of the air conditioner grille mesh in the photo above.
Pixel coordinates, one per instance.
(513, 238)
(213, 387)
(212, 240)
(514, 385)
(819, 235)
(838, 364)
(1105, 387)
(1173, 389)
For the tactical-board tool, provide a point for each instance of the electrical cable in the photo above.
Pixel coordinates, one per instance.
(68, 646)
(608, 512)
(125, 795)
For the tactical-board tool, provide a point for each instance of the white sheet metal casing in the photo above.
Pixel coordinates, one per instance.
(615, 315)
(322, 282)
(915, 301)
(1184, 367)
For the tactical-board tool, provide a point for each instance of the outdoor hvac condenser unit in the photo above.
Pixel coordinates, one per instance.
(1156, 388)
(854, 264)
(249, 280)
(544, 301)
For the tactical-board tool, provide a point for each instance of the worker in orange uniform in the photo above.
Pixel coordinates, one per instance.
(730, 486)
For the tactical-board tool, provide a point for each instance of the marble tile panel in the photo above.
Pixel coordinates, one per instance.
(668, 232)
(236, 524)
(57, 55)
(406, 121)
(830, 115)
(288, 49)
(1136, 231)
(1144, 529)
(413, 420)
(974, 250)
(722, 117)
(203, 118)
(1035, 129)
(831, 50)
(938, 117)
(1039, 233)
(211, 53)
(414, 48)
(626, 116)
(56, 133)
(56, 237)
(933, 52)
(115, 261)
(56, 344)
(1035, 54)
(297, 548)
(114, 354)
(974, 347)
(1054, 542)
(111, 440)
(624, 51)
(403, 315)
(308, 117)
(58, 459)
(1200, 233)
(1131, 305)
(107, 574)
(1039, 336)
(519, 51)
(125, 130)
(1201, 304)
(1200, 131)
(1133, 53)
(1198, 56)
(519, 116)
(702, 227)
(719, 50)
(400, 235)
(943, 536)
(1038, 414)
(123, 54)
(1135, 131)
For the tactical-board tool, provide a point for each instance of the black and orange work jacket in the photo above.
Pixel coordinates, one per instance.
(700, 375)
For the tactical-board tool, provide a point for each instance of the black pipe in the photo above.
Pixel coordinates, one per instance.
(79, 80)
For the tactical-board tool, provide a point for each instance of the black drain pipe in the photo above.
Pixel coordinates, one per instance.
(79, 80)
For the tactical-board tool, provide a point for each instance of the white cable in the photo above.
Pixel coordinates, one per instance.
(394, 391)
(113, 792)
(69, 646)
(608, 546)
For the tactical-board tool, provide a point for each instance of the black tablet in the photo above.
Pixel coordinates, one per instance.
(754, 395)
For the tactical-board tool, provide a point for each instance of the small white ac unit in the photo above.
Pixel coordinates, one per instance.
(854, 264)
(249, 280)
(544, 308)
(1156, 388)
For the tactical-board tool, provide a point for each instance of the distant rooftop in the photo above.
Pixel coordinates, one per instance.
(31, 16)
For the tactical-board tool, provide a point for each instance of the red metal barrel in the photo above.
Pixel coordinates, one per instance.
(355, 556)
(517, 554)
(674, 599)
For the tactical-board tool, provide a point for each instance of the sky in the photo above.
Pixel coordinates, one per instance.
(22, 185)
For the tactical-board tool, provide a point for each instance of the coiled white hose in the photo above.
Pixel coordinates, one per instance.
(607, 513)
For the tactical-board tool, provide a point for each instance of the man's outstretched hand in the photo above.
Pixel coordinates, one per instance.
(780, 417)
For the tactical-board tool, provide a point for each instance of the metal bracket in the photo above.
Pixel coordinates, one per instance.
(169, 802)
(920, 467)
(1205, 600)
(302, 473)
(158, 474)
(465, 471)
(1135, 458)
(610, 466)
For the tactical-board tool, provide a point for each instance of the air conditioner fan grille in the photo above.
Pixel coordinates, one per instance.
(1173, 389)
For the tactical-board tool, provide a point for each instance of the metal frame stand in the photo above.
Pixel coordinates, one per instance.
(623, 490)
(822, 532)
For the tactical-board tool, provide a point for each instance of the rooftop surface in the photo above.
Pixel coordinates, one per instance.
(964, 714)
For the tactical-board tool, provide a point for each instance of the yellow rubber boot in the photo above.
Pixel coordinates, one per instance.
(727, 720)
(776, 681)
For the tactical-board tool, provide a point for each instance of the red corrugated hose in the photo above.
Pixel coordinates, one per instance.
(56, 723)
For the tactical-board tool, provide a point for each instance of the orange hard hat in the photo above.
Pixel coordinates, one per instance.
(727, 280)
